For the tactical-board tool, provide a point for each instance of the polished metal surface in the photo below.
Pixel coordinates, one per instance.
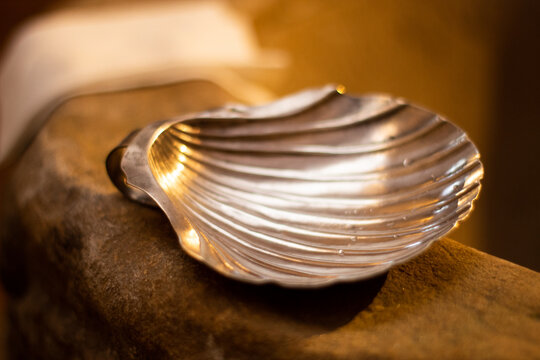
(312, 189)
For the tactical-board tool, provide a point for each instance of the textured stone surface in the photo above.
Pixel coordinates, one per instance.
(92, 275)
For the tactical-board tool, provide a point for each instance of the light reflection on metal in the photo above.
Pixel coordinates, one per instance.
(191, 240)
(312, 189)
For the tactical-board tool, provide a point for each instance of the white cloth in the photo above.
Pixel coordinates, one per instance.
(76, 52)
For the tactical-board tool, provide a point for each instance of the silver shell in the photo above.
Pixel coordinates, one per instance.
(315, 188)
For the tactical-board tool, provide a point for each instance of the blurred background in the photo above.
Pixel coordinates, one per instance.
(475, 62)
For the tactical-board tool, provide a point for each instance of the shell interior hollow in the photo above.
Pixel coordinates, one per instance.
(337, 189)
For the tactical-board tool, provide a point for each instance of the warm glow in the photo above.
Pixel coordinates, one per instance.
(341, 89)
(183, 148)
(191, 241)
(170, 179)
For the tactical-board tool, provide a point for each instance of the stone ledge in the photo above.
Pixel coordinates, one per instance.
(93, 275)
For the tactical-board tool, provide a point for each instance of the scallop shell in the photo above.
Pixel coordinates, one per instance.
(314, 188)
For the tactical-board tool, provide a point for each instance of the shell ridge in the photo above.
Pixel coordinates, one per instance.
(312, 189)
